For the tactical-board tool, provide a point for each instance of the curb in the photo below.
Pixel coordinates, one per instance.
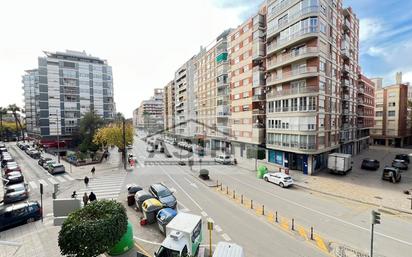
(352, 199)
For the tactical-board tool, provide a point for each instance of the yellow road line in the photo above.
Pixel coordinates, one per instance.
(284, 224)
(302, 232)
(141, 249)
(320, 243)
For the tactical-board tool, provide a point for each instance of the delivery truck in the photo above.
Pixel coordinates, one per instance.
(183, 236)
(339, 163)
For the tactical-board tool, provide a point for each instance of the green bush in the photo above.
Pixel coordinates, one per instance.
(93, 230)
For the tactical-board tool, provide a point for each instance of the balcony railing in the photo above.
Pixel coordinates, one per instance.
(258, 111)
(222, 83)
(258, 97)
(306, 30)
(360, 101)
(291, 55)
(292, 91)
(361, 90)
(292, 73)
(278, 8)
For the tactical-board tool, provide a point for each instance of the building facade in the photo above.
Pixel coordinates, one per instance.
(64, 87)
(365, 113)
(150, 113)
(169, 107)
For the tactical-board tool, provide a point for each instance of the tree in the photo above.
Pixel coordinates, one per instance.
(89, 124)
(113, 135)
(93, 230)
(14, 109)
(3, 111)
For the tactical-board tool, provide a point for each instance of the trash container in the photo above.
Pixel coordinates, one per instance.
(262, 170)
(163, 217)
(125, 244)
(142, 196)
(150, 207)
(132, 189)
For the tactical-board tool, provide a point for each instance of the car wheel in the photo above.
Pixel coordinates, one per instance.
(30, 220)
(266, 179)
(281, 185)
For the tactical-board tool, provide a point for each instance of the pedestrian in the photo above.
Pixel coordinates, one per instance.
(86, 181)
(85, 199)
(92, 197)
(93, 170)
(74, 195)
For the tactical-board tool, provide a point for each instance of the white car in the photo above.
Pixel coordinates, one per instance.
(279, 178)
(223, 159)
(129, 146)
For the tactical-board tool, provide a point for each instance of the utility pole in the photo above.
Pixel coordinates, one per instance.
(58, 137)
(376, 219)
(124, 143)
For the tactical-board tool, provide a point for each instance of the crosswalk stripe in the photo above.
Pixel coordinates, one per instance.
(53, 181)
(68, 177)
(33, 185)
(117, 190)
(218, 228)
(61, 179)
(226, 237)
(41, 181)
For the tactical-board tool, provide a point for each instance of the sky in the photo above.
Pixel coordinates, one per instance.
(146, 41)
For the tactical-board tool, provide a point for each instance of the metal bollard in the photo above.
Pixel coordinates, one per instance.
(227, 190)
(217, 183)
(221, 187)
(241, 199)
(263, 210)
(251, 204)
(234, 194)
(276, 217)
(311, 233)
(293, 224)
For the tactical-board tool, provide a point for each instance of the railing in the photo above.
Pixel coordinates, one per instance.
(278, 7)
(301, 32)
(293, 54)
(360, 101)
(345, 83)
(258, 111)
(292, 91)
(258, 97)
(222, 83)
(361, 90)
(289, 74)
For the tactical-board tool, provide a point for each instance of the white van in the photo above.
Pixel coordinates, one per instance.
(224, 249)
(223, 159)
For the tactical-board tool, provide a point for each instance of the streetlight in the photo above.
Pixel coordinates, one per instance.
(58, 135)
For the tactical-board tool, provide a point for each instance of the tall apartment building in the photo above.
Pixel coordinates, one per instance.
(312, 73)
(392, 120)
(365, 112)
(150, 112)
(246, 76)
(65, 86)
(185, 109)
(169, 107)
(211, 89)
(135, 117)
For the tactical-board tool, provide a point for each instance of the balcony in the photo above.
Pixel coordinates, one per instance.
(307, 11)
(223, 92)
(258, 135)
(361, 113)
(258, 112)
(345, 97)
(360, 101)
(346, 24)
(303, 33)
(277, 9)
(222, 111)
(258, 78)
(361, 90)
(292, 91)
(258, 22)
(222, 83)
(257, 98)
(345, 68)
(292, 56)
(345, 53)
(222, 70)
(292, 75)
(345, 111)
(258, 49)
(345, 83)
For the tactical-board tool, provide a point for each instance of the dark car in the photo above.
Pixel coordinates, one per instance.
(15, 193)
(168, 155)
(404, 157)
(392, 174)
(42, 160)
(164, 195)
(400, 164)
(13, 177)
(6, 159)
(16, 214)
(370, 164)
(150, 149)
(3, 150)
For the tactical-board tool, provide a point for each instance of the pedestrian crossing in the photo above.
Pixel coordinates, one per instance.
(106, 187)
(50, 181)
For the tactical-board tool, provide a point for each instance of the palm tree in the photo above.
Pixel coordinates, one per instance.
(14, 109)
(2, 112)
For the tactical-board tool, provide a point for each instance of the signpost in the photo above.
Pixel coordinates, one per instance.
(210, 228)
(41, 200)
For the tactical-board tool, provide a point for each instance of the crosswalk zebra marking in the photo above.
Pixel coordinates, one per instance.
(69, 178)
(105, 187)
(53, 181)
(60, 179)
(32, 184)
(41, 181)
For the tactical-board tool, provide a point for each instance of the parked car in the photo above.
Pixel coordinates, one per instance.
(56, 168)
(13, 177)
(3, 150)
(34, 154)
(16, 214)
(404, 157)
(163, 194)
(6, 160)
(223, 159)
(400, 164)
(279, 178)
(132, 189)
(43, 159)
(47, 164)
(392, 174)
(150, 149)
(168, 155)
(129, 146)
(370, 164)
(15, 193)
(10, 167)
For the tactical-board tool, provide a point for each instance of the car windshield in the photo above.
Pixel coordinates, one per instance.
(164, 193)
(15, 188)
(166, 252)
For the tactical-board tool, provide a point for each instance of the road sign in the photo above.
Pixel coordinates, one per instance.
(376, 217)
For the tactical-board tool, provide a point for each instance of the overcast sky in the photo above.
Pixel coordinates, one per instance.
(146, 41)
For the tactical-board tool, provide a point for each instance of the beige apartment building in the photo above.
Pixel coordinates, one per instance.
(392, 116)
(149, 115)
(365, 112)
(169, 107)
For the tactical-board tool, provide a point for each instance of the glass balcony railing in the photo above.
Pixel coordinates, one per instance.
(303, 31)
(288, 56)
(290, 74)
(293, 91)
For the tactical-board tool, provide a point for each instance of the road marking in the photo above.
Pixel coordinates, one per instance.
(184, 208)
(320, 243)
(204, 214)
(68, 177)
(210, 220)
(218, 229)
(53, 181)
(61, 179)
(41, 181)
(191, 183)
(173, 190)
(302, 232)
(322, 213)
(33, 184)
(226, 237)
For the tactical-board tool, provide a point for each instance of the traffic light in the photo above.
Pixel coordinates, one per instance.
(376, 217)
(41, 188)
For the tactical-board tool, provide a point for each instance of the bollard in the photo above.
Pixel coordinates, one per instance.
(221, 187)
(234, 194)
(227, 190)
(217, 183)
(251, 204)
(276, 217)
(293, 224)
(311, 233)
(241, 199)
(263, 210)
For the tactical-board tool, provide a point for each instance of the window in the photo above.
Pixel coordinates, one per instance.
(245, 107)
(322, 27)
(392, 104)
(270, 106)
(379, 114)
(285, 104)
(322, 65)
(278, 105)
(294, 104)
(312, 103)
(391, 113)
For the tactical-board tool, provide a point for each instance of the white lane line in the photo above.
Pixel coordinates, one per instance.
(41, 181)
(61, 179)
(322, 213)
(33, 184)
(204, 214)
(226, 237)
(191, 183)
(68, 177)
(210, 220)
(173, 190)
(184, 208)
(53, 181)
(218, 229)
